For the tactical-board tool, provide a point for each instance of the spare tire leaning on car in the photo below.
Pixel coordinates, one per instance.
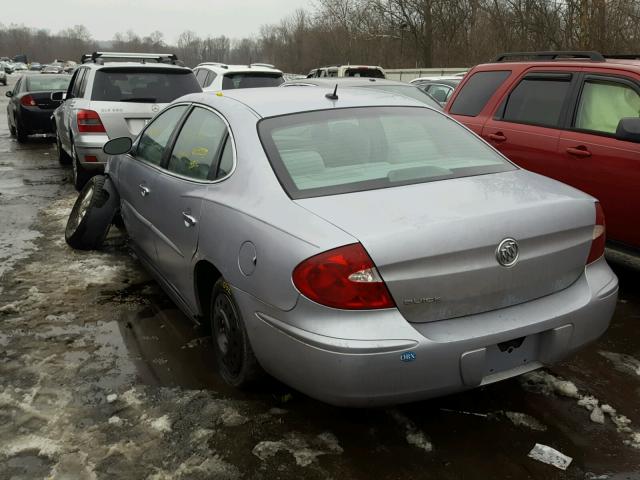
(92, 214)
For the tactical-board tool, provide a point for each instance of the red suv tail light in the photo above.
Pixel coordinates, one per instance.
(89, 122)
(28, 101)
(599, 236)
(344, 278)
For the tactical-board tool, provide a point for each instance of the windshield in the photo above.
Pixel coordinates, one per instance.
(353, 149)
(408, 91)
(43, 83)
(143, 85)
(251, 80)
(364, 72)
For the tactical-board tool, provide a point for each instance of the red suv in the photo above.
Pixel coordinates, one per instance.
(572, 116)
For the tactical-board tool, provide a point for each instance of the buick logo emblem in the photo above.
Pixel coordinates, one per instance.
(507, 252)
(155, 108)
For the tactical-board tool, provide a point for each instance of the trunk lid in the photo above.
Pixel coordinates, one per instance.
(435, 243)
(43, 100)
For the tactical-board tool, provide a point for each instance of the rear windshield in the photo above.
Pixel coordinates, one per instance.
(251, 80)
(43, 84)
(143, 85)
(353, 149)
(364, 72)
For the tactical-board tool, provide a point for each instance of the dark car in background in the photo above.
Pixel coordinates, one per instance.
(31, 106)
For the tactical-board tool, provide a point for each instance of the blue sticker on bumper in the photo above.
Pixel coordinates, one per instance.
(408, 356)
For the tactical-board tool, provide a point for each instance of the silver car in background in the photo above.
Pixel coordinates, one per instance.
(359, 246)
(113, 95)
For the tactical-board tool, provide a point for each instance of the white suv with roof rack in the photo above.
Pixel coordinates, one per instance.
(111, 95)
(214, 76)
(365, 71)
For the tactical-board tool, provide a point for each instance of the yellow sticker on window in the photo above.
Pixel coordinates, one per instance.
(200, 151)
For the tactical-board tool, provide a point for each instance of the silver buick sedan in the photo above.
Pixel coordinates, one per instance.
(359, 246)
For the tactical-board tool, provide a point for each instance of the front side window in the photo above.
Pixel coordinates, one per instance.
(440, 92)
(603, 104)
(145, 85)
(537, 101)
(198, 145)
(353, 149)
(251, 80)
(154, 139)
(477, 91)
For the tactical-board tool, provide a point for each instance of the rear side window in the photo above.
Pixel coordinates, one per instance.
(353, 149)
(537, 101)
(198, 145)
(201, 75)
(251, 80)
(143, 85)
(603, 104)
(75, 89)
(154, 139)
(477, 91)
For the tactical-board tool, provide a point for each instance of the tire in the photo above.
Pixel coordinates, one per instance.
(91, 215)
(12, 130)
(234, 356)
(21, 135)
(63, 157)
(80, 175)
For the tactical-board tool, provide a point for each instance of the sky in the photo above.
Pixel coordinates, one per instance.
(103, 18)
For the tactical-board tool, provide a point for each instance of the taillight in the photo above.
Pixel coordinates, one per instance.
(89, 122)
(28, 101)
(344, 278)
(599, 236)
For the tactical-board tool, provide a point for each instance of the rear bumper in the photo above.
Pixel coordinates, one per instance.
(91, 146)
(36, 120)
(377, 357)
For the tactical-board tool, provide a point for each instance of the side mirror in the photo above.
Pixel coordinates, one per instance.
(629, 129)
(9, 93)
(58, 96)
(117, 146)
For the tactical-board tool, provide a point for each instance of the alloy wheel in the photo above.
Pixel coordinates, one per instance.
(227, 334)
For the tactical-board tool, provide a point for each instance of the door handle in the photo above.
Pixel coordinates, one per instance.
(144, 190)
(189, 220)
(580, 151)
(497, 137)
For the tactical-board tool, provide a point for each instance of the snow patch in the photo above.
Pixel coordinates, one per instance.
(232, 418)
(324, 444)
(112, 397)
(161, 424)
(550, 456)
(520, 419)
(624, 363)
(45, 447)
(414, 436)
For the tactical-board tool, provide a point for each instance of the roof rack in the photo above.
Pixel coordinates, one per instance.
(100, 57)
(623, 56)
(221, 65)
(552, 55)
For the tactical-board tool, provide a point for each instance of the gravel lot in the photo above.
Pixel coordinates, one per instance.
(102, 377)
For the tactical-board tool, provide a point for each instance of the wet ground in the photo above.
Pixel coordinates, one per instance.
(102, 377)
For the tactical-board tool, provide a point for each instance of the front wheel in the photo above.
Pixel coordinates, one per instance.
(234, 356)
(91, 215)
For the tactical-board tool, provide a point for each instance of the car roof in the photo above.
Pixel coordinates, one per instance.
(274, 101)
(225, 68)
(160, 65)
(630, 64)
(345, 81)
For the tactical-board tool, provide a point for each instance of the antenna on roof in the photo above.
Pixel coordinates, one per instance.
(334, 95)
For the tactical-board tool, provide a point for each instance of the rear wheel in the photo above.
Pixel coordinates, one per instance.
(20, 133)
(63, 157)
(91, 215)
(80, 175)
(234, 356)
(12, 130)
